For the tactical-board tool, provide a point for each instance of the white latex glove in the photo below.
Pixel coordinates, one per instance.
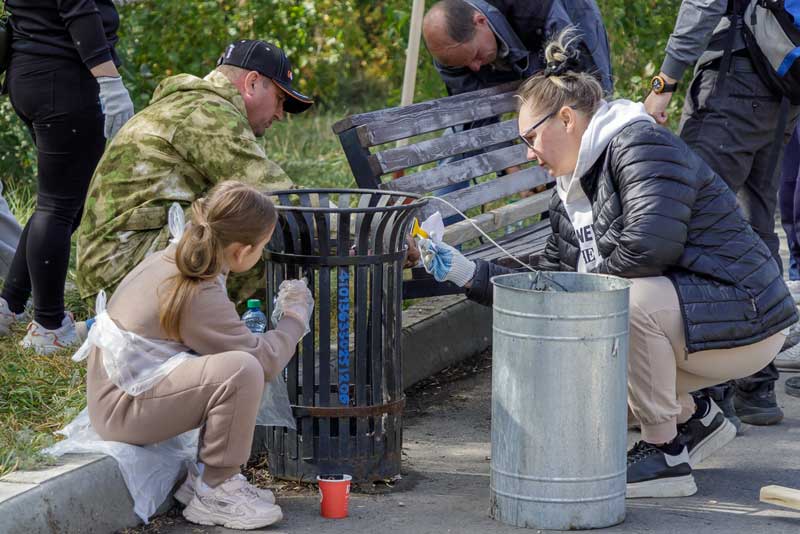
(116, 104)
(294, 299)
(446, 263)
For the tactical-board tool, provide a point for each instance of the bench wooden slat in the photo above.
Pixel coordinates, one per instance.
(533, 243)
(450, 102)
(435, 117)
(463, 231)
(487, 192)
(460, 171)
(444, 146)
(519, 240)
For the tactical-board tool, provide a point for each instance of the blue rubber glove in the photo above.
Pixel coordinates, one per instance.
(446, 263)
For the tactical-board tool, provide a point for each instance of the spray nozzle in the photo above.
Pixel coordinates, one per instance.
(417, 231)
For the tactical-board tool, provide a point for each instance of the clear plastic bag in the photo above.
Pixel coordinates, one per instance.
(150, 472)
(176, 222)
(133, 363)
(275, 408)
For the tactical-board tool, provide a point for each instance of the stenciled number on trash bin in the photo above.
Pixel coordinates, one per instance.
(344, 336)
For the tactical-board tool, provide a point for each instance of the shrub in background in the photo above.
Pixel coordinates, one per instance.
(348, 54)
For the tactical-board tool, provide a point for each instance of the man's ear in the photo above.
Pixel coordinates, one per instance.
(250, 80)
(479, 18)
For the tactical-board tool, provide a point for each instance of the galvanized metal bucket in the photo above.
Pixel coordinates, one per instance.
(559, 394)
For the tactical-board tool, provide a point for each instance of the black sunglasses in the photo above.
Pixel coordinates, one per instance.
(532, 128)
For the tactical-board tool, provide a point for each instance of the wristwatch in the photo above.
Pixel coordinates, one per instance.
(659, 85)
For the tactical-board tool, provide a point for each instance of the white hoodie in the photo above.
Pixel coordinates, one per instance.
(609, 119)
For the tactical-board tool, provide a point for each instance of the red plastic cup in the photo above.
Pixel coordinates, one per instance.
(334, 493)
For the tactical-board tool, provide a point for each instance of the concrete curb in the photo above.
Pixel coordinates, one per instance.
(86, 493)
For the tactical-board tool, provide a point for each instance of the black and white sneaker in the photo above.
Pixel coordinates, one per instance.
(654, 473)
(704, 436)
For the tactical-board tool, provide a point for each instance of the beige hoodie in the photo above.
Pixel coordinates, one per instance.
(209, 323)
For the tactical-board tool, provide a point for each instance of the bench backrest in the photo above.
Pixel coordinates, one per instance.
(485, 150)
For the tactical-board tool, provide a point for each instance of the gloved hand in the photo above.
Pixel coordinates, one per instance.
(446, 263)
(116, 104)
(295, 300)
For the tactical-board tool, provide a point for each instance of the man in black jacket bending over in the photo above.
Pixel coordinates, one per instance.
(478, 44)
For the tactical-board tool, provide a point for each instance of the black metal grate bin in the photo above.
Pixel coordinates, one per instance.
(345, 382)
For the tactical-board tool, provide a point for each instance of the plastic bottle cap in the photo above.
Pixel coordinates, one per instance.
(254, 304)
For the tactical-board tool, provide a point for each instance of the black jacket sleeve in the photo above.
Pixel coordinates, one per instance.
(481, 289)
(657, 201)
(85, 26)
(549, 259)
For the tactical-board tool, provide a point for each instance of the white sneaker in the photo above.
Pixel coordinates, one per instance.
(232, 504)
(185, 493)
(45, 341)
(8, 318)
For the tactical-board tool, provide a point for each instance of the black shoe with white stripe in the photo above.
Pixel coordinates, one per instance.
(705, 435)
(654, 473)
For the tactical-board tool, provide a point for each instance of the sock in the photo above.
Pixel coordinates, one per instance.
(702, 406)
(673, 448)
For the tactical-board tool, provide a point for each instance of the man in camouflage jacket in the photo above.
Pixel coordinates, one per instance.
(195, 133)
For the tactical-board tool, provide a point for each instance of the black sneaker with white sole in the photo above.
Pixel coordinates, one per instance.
(703, 436)
(654, 473)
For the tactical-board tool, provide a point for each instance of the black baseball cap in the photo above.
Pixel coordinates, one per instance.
(270, 61)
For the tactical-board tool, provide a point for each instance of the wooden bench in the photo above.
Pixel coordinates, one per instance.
(493, 201)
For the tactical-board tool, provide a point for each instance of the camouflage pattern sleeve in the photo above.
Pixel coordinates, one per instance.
(218, 142)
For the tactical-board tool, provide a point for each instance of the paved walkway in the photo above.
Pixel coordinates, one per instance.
(446, 478)
(445, 487)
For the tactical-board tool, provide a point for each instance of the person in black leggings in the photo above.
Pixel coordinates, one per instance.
(64, 85)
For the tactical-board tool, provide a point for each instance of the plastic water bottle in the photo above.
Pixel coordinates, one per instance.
(254, 318)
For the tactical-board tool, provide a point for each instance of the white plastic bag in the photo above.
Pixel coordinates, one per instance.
(434, 226)
(150, 472)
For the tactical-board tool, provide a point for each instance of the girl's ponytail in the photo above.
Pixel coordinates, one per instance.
(233, 212)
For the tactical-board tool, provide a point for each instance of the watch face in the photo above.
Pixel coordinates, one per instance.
(657, 84)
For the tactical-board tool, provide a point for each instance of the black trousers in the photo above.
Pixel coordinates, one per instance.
(733, 130)
(58, 101)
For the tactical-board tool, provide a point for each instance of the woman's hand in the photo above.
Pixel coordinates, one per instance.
(446, 263)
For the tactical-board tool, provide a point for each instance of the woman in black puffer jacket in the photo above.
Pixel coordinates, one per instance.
(707, 303)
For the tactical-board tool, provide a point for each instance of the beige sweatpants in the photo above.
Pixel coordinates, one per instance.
(221, 391)
(660, 372)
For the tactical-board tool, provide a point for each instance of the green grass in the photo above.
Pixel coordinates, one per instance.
(39, 394)
(308, 150)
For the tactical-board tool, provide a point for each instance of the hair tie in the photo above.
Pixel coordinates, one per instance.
(557, 68)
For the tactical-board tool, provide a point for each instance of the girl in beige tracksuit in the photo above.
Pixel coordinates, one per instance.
(179, 294)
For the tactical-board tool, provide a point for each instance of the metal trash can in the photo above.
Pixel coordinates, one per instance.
(345, 381)
(559, 397)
